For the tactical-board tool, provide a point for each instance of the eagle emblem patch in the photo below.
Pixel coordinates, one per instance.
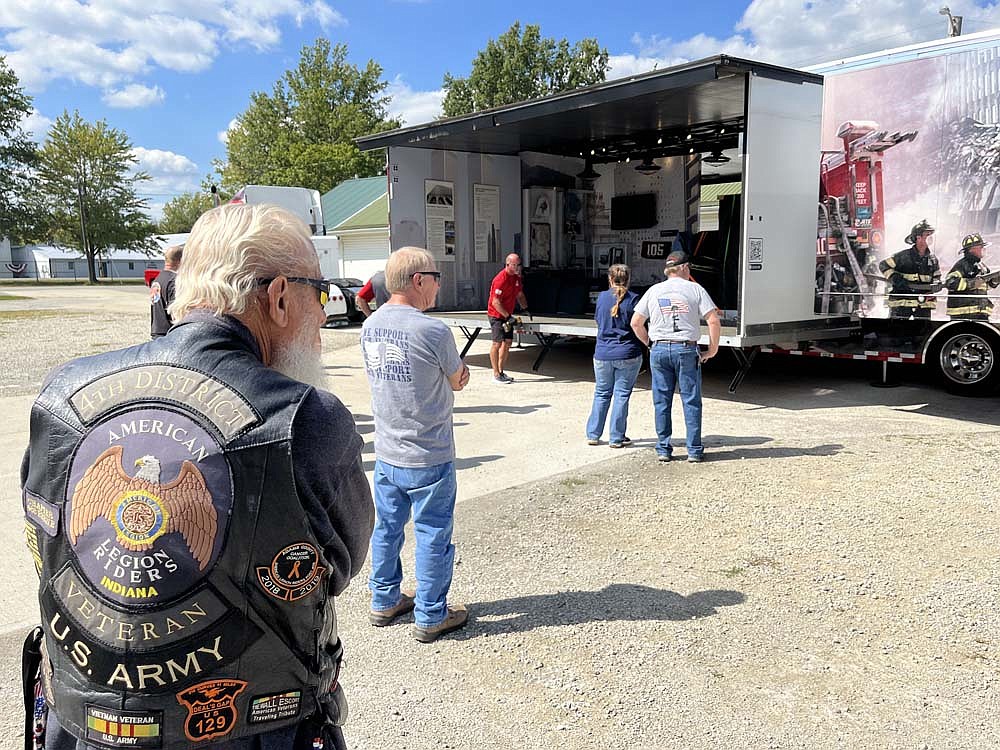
(149, 532)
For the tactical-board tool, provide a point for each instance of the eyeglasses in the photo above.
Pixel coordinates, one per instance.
(435, 274)
(320, 285)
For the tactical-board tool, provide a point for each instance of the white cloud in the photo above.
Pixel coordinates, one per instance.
(134, 95)
(170, 174)
(36, 125)
(798, 34)
(113, 43)
(413, 107)
(223, 135)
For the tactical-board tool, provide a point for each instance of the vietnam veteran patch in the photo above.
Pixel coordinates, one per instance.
(117, 728)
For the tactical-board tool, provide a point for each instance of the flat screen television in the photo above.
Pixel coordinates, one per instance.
(633, 211)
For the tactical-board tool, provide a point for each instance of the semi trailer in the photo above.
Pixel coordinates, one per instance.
(789, 188)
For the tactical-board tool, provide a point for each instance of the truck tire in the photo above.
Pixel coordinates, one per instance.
(967, 361)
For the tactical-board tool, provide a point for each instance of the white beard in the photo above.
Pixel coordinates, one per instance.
(301, 362)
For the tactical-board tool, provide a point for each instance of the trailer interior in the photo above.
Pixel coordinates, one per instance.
(719, 157)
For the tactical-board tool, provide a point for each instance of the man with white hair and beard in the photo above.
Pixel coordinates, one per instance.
(193, 505)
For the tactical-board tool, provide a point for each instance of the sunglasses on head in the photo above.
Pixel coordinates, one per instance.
(322, 286)
(435, 274)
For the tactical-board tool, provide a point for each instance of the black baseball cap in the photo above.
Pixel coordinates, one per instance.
(676, 258)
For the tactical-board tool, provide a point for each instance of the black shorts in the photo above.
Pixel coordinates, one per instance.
(497, 333)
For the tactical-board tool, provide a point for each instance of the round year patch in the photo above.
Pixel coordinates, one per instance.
(295, 572)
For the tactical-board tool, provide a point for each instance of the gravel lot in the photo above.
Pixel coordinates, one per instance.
(829, 578)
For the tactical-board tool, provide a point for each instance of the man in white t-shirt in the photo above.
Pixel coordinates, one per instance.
(674, 309)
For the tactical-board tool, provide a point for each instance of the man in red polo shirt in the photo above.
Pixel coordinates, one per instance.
(505, 292)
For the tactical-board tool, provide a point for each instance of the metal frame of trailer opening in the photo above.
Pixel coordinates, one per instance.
(762, 119)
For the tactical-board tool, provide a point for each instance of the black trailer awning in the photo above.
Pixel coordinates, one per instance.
(699, 105)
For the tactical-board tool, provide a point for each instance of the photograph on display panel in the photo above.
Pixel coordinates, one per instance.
(439, 211)
(890, 164)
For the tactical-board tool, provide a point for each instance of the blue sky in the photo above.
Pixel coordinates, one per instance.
(175, 79)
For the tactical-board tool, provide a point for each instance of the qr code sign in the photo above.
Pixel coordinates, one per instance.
(755, 256)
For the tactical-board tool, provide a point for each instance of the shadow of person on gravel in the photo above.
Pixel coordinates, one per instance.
(618, 601)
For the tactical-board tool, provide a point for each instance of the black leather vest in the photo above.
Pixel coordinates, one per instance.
(183, 592)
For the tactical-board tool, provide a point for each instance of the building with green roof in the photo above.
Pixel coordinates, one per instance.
(356, 212)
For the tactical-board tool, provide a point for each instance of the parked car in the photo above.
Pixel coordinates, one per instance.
(336, 308)
(350, 287)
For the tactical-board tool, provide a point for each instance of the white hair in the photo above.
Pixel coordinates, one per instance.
(230, 248)
(401, 266)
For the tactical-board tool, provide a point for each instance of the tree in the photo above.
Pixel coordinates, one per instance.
(520, 66)
(17, 155)
(302, 133)
(182, 211)
(86, 197)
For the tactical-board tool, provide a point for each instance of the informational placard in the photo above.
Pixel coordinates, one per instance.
(439, 207)
(486, 222)
(655, 249)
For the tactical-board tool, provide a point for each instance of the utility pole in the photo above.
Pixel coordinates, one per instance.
(84, 245)
(954, 22)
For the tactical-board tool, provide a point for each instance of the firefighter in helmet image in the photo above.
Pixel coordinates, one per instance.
(914, 275)
(969, 281)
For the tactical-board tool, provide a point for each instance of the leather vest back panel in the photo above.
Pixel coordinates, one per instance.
(184, 594)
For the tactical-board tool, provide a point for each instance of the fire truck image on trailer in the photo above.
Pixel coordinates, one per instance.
(794, 191)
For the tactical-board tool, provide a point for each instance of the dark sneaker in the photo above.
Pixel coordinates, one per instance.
(506, 377)
(458, 615)
(501, 379)
(696, 459)
(382, 617)
(626, 440)
(663, 458)
(593, 441)
(615, 445)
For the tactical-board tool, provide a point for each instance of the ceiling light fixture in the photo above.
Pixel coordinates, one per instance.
(659, 141)
(648, 166)
(716, 157)
(589, 173)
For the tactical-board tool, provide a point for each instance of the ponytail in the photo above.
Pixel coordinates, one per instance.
(618, 278)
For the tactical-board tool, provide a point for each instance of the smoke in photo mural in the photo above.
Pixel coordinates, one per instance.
(905, 143)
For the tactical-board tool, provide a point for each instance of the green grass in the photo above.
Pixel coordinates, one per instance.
(733, 572)
(7, 297)
(570, 482)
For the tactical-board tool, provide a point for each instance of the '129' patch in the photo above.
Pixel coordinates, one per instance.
(211, 708)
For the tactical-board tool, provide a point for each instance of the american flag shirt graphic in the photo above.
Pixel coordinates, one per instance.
(672, 305)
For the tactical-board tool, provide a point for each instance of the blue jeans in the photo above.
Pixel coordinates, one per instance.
(612, 377)
(430, 492)
(676, 364)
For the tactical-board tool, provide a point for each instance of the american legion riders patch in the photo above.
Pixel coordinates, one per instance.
(148, 506)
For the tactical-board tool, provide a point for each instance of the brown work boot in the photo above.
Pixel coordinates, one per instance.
(458, 615)
(382, 617)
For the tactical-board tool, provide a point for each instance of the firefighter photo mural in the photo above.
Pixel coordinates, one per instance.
(891, 164)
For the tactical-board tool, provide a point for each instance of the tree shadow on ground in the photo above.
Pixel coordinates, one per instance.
(618, 601)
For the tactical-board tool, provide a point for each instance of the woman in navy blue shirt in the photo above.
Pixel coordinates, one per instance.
(617, 358)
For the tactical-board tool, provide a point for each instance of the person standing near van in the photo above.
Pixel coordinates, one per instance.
(374, 289)
(161, 292)
(617, 358)
(674, 309)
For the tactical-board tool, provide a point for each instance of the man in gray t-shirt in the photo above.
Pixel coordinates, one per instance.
(413, 368)
(674, 309)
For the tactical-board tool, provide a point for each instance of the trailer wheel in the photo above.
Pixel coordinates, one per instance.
(968, 361)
